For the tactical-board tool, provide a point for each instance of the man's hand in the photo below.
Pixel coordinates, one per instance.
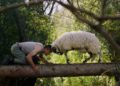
(35, 69)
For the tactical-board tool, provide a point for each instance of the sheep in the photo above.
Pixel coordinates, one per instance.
(80, 40)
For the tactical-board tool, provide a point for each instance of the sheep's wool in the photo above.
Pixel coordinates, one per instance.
(78, 40)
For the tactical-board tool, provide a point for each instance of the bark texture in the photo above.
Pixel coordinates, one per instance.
(61, 70)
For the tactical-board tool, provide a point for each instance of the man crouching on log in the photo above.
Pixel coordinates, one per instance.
(26, 53)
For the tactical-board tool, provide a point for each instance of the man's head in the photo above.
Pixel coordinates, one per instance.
(47, 49)
(54, 50)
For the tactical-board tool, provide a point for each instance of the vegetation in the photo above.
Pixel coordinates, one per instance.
(33, 24)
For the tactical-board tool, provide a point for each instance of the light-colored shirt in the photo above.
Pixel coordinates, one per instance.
(27, 47)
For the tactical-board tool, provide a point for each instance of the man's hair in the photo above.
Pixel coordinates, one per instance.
(49, 47)
(54, 50)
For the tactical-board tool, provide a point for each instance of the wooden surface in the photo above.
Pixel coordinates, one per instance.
(61, 70)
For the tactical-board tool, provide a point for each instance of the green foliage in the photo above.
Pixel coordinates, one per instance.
(24, 24)
(40, 28)
(30, 24)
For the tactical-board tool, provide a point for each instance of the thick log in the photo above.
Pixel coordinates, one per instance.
(61, 70)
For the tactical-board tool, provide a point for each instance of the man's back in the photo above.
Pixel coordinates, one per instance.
(27, 47)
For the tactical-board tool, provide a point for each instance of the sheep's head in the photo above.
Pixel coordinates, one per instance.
(56, 50)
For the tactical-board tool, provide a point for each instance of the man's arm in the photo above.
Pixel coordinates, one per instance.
(31, 54)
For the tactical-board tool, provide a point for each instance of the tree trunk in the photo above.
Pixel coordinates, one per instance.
(61, 70)
(21, 25)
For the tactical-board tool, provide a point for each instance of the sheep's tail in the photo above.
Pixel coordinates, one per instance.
(100, 56)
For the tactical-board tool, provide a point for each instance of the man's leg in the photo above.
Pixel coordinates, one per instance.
(19, 55)
(20, 58)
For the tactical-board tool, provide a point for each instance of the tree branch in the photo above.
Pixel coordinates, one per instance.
(101, 18)
(103, 7)
(46, 6)
(16, 5)
(79, 9)
(105, 18)
(51, 10)
(60, 70)
(78, 3)
(68, 1)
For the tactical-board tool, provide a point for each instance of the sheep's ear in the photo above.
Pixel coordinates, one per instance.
(54, 49)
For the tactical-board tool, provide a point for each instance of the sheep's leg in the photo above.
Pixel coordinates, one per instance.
(86, 60)
(91, 55)
(100, 55)
(67, 59)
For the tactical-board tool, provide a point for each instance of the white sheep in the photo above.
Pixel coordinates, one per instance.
(81, 40)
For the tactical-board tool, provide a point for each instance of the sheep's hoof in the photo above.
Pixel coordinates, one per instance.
(68, 62)
(84, 62)
(99, 61)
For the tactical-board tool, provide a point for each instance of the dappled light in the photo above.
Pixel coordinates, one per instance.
(45, 21)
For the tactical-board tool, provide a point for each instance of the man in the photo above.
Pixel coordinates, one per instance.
(26, 53)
